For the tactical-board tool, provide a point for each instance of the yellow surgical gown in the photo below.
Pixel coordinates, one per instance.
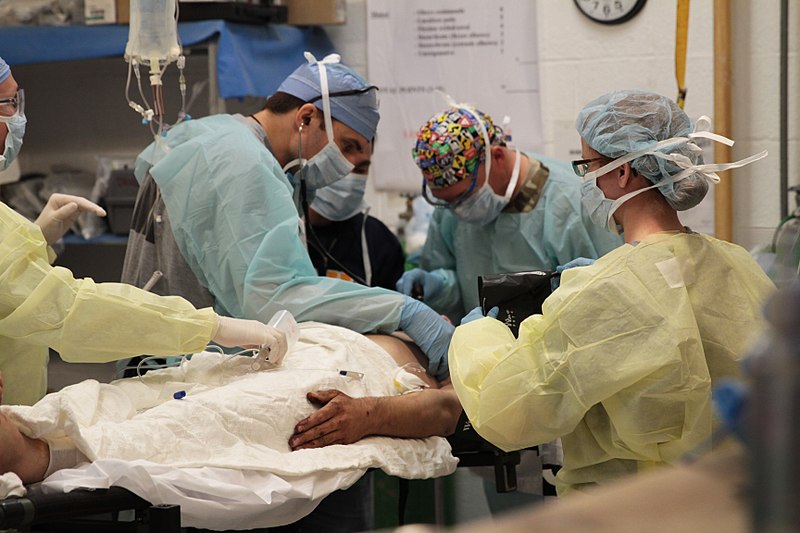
(43, 306)
(620, 363)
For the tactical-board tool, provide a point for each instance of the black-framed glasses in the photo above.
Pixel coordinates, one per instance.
(441, 204)
(369, 96)
(581, 166)
(13, 106)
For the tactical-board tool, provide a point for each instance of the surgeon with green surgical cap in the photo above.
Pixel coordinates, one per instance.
(44, 307)
(623, 358)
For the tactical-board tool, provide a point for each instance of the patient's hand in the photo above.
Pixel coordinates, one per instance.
(340, 420)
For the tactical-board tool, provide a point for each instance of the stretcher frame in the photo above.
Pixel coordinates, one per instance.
(87, 511)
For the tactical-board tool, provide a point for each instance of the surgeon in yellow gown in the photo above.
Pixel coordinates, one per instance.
(622, 360)
(43, 307)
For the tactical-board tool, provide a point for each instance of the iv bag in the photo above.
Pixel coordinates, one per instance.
(153, 34)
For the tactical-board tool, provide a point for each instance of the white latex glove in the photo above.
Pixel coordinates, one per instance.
(251, 334)
(61, 212)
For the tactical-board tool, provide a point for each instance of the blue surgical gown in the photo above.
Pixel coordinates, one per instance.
(236, 224)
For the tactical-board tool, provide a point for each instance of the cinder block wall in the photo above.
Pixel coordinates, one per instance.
(581, 59)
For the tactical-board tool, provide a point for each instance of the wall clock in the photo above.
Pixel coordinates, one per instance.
(610, 11)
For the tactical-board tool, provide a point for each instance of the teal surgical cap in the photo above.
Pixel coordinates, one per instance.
(357, 108)
(623, 122)
(5, 70)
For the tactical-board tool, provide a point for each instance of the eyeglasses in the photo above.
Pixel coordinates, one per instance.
(441, 204)
(581, 166)
(369, 96)
(11, 107)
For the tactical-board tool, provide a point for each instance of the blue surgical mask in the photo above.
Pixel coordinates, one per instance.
(599, 208)
(16, 131)
(326, 166)
(342, 199)
(484, 205)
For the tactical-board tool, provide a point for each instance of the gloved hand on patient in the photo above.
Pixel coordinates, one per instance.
(430, 283)
(250, 334)
(430, 332)
(61, 212)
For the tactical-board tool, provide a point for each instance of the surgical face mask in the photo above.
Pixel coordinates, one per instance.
(326, 167)
(484, 205)
(16, 131)
(599, 208)
(342, 199)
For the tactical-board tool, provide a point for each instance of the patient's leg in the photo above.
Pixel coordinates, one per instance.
(26, 457)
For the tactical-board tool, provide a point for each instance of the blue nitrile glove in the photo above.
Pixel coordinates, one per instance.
(555, 281)
(477, 313)
(431, 332)
(730, 399)
(431, 283)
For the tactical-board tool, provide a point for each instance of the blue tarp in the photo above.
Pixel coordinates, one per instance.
(252, 60)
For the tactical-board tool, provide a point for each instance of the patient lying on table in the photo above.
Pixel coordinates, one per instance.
(266, 433)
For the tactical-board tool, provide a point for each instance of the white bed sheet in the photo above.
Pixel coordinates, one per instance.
(222, 452)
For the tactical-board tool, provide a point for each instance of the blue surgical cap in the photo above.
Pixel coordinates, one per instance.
(623, 122)
(5, 70)
(358, 111)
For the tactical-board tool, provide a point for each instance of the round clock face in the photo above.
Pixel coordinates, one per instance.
(610, 11)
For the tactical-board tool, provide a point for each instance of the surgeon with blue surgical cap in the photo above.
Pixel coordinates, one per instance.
(219, 211)
(623, 358)
(44, 307)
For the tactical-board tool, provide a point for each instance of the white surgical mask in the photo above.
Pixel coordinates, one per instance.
(597, 206)
(601, 209)
(329, 164)
(16, 131)
(343, 199)
(484, 205)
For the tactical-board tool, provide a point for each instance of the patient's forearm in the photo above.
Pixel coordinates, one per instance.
(344, 420)
(430, 412)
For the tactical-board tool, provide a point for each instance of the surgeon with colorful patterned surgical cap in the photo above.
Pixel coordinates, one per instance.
(621, 362)
(499, 210)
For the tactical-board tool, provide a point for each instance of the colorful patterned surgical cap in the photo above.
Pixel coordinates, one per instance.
(450, 146)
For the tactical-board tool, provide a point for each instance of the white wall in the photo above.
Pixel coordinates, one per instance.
(581, 59)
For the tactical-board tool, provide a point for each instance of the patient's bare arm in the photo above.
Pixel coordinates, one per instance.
(26, 457)
(344, 420)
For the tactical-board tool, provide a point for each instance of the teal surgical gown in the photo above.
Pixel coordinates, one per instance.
(43, 306)
(236, 224)
(622, 360)
(554, 232)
